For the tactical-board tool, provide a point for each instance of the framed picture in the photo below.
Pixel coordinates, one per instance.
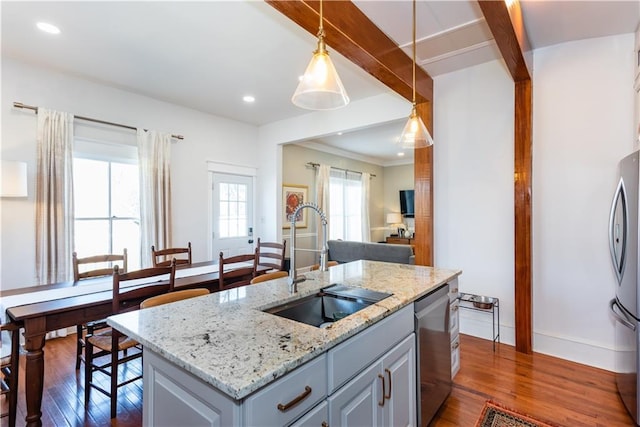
(292, 196)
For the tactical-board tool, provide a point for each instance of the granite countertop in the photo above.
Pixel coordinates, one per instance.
(226, 339)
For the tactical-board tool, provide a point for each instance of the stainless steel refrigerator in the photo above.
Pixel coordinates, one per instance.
(623, 244)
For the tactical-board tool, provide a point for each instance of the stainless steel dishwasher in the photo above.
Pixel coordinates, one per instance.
(434, 353)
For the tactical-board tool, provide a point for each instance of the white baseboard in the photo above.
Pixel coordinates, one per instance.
(586, 353)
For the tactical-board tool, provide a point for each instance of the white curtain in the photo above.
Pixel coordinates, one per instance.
(154, 154)
(54, 196)
(54, 200)
(365, 180)
(322, 198)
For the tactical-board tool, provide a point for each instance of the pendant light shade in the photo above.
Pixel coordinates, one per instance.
(320, 88)
(415, 134)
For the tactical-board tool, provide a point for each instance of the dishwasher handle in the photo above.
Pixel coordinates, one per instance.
(429, 299)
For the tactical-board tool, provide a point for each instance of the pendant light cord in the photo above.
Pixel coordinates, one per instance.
(414, 50)
(320, 28)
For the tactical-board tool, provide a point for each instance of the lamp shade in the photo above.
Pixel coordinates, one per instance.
(415, 133)
(14, 179)
(320, 88)
(394, 218)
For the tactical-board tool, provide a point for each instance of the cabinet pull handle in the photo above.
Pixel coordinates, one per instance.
(296, 400)
(389, 375)
(381, 403)
(455, 345)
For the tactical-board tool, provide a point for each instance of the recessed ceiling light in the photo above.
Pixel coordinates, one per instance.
(339, 133)
(400, 154)
(248, 98)
(48, 28)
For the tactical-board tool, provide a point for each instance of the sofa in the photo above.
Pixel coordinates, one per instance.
(347, 251)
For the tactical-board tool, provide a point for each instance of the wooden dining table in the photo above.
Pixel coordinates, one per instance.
(45, 308)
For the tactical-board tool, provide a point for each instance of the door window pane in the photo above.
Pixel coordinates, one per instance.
(232, 221)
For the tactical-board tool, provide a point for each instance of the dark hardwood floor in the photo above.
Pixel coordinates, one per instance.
(564, 393)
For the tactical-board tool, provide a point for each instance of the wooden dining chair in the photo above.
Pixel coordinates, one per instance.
(271, 254)
(164, 257)
(89, 268)
(329, 264)
(128, 294)
(269, 276)
(9, 364)
(231, 276)
(173, 297)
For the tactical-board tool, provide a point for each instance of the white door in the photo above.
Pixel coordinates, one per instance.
(232, 221)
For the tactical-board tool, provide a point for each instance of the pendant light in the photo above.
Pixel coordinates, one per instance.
(320, 88)
(415, 134)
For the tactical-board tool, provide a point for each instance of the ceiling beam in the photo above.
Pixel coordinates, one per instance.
(508, 30)
(507, 27)
(349, 32)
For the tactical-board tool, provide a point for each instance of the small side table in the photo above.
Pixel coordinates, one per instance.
(487, 305)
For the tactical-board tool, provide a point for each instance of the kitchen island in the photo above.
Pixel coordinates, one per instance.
(228, 348)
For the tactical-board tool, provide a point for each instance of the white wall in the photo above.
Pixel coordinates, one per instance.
(473, 187)
(207, 137)
(582, 126)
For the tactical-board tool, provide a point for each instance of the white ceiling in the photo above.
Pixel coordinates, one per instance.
(207, 55)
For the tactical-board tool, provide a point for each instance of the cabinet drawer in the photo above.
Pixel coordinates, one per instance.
(455, 356)
(350, 357)
(454, 318)
(307, 383)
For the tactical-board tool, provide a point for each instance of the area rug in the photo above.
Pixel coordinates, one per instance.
(495, 415)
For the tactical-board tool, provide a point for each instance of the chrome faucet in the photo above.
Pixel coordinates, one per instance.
(293, 277)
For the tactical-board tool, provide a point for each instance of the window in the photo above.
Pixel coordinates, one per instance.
(106, 207)
(345, 201)
(233, 210)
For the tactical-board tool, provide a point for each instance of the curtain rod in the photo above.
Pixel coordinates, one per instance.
(315, 165)
(89, 119)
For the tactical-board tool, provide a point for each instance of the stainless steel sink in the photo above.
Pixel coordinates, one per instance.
(329, 305)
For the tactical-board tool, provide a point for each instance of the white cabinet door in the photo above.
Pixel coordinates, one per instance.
(173, 396)
(358, 403)
(399, 367)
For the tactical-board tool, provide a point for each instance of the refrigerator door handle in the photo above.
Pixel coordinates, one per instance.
(615, 234)
(620, 317)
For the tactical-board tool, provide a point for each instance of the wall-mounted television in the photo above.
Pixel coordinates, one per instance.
(406, 203)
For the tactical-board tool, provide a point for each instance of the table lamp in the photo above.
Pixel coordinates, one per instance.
(395, 219)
